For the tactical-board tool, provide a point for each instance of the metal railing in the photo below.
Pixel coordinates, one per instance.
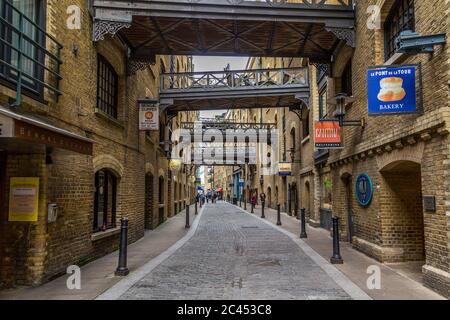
(270, 3)
(232, 80)
(29, 56)
(316, 3)
(223, 125)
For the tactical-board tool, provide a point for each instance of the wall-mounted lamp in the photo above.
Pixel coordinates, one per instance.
(341, 101)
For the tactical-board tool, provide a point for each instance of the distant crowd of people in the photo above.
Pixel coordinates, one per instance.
(212, 196)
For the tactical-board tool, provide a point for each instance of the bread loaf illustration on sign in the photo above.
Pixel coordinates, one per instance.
(391, 89)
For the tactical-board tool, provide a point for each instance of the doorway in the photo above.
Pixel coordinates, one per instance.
(306, 202)
(293, 199)
(348, 187)
(403, 208)
(148, 217)
(3, 210)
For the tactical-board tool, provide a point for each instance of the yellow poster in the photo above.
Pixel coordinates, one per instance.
(23, 199)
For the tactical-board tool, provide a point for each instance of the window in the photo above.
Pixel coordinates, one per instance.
(305, 125)
(323, 106)
(105, 200)
(161, 190)
(23, 42)
(107, 87)
(346, 80)
(400, 18)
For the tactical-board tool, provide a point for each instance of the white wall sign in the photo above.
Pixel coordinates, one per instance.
(148, 115)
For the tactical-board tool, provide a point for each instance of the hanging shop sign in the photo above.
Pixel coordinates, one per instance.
(364, 189)
(148, 115)
(24, 199)
(285, 169)
(327, 134)
(392, 90)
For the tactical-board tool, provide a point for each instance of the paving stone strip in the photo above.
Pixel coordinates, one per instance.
(234, 256)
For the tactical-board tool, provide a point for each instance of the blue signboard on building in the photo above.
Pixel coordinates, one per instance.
(364, 189)
(392, 90)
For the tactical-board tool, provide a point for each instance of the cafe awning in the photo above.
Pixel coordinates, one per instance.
(17, 129)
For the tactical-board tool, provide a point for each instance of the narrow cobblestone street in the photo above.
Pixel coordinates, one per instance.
(236, 256)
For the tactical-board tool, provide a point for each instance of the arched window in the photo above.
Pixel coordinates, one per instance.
(293, 142)
(105, 200)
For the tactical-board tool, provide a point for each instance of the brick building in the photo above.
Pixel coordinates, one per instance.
(76, 128)
(406, 156)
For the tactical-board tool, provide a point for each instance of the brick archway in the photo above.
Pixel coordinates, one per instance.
(402, 224)
(106, 161)
(410, 154)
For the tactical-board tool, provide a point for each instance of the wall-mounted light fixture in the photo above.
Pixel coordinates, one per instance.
(341, 101)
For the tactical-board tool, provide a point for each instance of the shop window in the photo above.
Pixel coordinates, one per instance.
(105, 200)
(400, 18)
(107, 87)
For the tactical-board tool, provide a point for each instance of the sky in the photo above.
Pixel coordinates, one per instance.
(217, 64)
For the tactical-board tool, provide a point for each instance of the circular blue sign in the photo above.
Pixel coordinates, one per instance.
(364, 189)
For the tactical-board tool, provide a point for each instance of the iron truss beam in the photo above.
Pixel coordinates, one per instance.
(223, 126)
(224, 27)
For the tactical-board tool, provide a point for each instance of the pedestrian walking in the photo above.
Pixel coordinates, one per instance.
(262, 197)
(254, 199)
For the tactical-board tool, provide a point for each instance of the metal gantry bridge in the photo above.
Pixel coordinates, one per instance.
(312, 29)
(237, 144)
(306, 28)
(234, 89)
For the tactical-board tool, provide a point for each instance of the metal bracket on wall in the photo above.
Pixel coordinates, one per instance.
(102, 28)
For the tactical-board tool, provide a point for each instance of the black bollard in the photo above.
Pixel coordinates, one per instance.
(278, 215)
(336, 258)
(263, 204)
(303, 234)
(122, 269)
(196, 208)
(240, 202)
(188, 225)
(253, 208)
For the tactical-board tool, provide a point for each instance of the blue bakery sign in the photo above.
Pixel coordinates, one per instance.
(392, 90)
(364, 189)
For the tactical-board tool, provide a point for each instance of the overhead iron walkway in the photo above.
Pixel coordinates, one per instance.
(275, 28)
(241, 89)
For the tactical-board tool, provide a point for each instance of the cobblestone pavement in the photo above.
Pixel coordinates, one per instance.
(236, 256)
